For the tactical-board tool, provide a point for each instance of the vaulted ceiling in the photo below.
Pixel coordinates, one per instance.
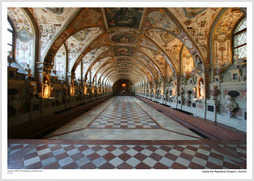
(139, 44)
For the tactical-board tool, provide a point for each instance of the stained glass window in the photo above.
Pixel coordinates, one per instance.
(240, 39)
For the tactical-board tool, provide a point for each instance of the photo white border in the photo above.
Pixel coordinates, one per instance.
(125, 174)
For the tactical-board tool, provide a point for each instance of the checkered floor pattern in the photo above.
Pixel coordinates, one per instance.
(87, 156)
(124, 115)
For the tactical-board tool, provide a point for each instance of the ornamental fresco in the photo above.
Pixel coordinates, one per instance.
(222, 38)
(129, 17)
(123, 50)
(192, 12)
(197, 21)
(50, 22)
(123, 38)
(159, 19)
(187, 61)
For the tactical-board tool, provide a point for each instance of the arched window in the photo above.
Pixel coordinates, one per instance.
(10, 36)
(240, 39)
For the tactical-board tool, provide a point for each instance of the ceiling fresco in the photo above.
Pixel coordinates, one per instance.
(129, 17)
(137, 43)
(197, 22)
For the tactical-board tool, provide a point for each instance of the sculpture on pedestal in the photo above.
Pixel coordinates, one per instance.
(231, 106)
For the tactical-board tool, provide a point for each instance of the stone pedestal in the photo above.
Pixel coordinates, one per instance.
(180, 102)
(212, 107)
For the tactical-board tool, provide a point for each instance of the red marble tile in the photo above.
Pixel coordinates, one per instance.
(52, 166)
(200, 155)
(151, 148)
(93, 156)
(62, 156)
(70, 166)
(171, 156)
(96, 148)
(109, 156)
(89, 165)
(16, 147)
(138, 148)
(178, 148)
(139, 127)
(192, 148)
(230, 165)
(124, 166)
(124, 156)
(155, 156)
(140, 156)
(215, 155)
(68, 148)
(178, 166)
(204, 147)
(160, 166)
(77, 156)
(42, 147)
(241, 155)
(82, 148)
(124, 148)
(212, 165)
(195, 166)
(165, 148)
(110, 148)
(142, 166)
(186, 156)
(30, 155)
(57, 147)
(106, 166)
(45, 156)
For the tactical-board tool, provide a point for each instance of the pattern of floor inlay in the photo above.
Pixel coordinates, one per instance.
(123, 118)
(87, 156)
(124, 114)
(122, 133)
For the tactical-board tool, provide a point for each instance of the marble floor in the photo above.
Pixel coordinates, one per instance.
(123, 118)
(125, 133)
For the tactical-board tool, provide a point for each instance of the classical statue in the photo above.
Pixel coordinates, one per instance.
(230, 105)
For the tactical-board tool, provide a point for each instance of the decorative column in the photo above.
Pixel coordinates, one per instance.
(39, 78)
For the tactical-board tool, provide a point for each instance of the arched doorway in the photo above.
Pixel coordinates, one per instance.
(123, 87)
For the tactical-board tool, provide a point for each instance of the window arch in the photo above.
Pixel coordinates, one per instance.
(24, 39)
(10, 37)
(240, 39)
(60, 63)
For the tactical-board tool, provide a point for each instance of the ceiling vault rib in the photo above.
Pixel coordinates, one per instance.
(142, 19)
(104, 17)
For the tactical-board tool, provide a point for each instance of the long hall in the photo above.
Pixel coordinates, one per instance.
(137, 87)
(125, 133)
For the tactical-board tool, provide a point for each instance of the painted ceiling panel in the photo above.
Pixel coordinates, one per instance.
(197, 22)
(50, 22)
(158, 18)
(135, 43)
(128, 17)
